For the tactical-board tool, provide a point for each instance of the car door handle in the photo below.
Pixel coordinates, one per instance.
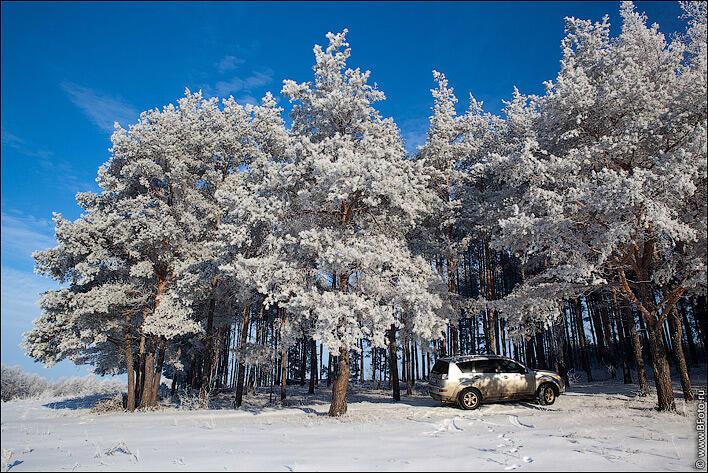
(505, 377)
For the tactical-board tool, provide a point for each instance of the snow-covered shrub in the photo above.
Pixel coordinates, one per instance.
(16, 384)
(108, 405)
(190, 399)
(81, 386)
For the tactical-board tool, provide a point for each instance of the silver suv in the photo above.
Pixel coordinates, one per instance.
(472, 380)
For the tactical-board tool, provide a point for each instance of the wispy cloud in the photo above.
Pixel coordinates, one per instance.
(23, 147)
(20, 294)
(48, 165)
(229, 63)
(249, 83)
(21, 291)
(103, 110)
(23, 234)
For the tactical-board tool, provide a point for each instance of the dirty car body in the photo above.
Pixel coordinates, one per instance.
(472, 380)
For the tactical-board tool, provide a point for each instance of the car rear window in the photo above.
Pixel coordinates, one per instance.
(466, 366)
(440, 367)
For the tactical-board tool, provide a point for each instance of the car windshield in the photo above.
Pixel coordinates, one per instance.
(440, 367)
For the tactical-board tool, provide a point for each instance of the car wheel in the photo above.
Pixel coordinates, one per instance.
(469, 399)
(546, 394)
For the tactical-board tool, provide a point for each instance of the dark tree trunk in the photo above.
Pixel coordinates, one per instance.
(243, 338)
(148, 376)
(676, 338)
(284, 366)
(622, 344)
(701, 318)
(208, 347)
(636, 342)
(408, 365)
(583, 340)
(130, 369)
(393, 363)
(690, 341)
(361, 363)
(158, 371)
(313, 366)
(660, 368)
(303, 359)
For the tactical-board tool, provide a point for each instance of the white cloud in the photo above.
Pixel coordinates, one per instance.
(17, 143)
(49, 165)
(24, 234)
(20, 295)
(255, 80)
(102, 110)
(247, 99)
(224, 88)
(229, 63)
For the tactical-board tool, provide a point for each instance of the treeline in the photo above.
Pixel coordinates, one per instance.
(228, 251)
(596, 336)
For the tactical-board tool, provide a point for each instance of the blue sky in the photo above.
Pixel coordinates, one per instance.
(69, 70)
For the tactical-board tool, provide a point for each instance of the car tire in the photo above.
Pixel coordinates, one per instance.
(469, 399)
(546, 394)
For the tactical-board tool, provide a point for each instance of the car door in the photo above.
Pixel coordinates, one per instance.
(490, 381)
(517, 381)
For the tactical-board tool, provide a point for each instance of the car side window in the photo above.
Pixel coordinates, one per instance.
(512, 367)
(486, 366)
(466, 366)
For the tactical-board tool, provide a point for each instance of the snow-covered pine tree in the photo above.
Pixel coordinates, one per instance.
(93, 320)
(245, 246)
(454, 143)
(609, 183)
(352, 198)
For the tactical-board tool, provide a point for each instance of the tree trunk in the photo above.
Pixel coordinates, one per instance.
(130, 369)
(313, 366)
(583, 340)
(654, 318)
(303, 358)
(284, 366)
(140, 378)
(208, 347)
(660, 368)
(631, 324)
(158, 371)
(691, 343)
(676, 339)
(701, 319)
(243, 338)
(407, 367)
(338, 406)
(148, 377)
(393, 363)
(361, 363)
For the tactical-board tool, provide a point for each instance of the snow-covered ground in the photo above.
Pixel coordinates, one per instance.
(600, 427)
